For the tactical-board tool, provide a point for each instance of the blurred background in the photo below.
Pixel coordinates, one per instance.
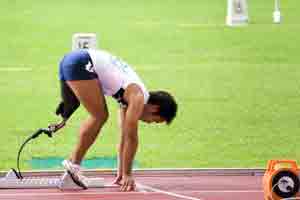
(237, 87)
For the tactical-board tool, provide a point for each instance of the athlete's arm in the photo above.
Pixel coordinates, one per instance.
(135, 98)
(120, 147)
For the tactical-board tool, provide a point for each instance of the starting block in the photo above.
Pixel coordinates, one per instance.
(11, 181)
(281, 180)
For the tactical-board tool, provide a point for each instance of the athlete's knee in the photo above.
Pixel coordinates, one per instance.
(101, 117)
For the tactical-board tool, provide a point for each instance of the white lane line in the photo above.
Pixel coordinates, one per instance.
(165, 192)
(141, 189)
(15, 69)
(181, 25)
(196, 25)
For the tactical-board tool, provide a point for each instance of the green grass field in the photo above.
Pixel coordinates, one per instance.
(238, 89)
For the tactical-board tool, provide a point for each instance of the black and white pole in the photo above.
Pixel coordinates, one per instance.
(276, 13)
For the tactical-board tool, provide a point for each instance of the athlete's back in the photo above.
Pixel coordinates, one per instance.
(113, 73)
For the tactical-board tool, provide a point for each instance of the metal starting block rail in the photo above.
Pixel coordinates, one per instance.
(11, 181)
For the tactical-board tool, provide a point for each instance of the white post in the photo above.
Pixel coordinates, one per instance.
(237, 12)
(276, 13)
(84, 41)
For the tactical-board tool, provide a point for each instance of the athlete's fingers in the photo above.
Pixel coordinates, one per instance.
(118, 180)
(123, 187)
(129, 188)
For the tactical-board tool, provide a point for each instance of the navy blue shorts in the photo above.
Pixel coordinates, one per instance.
(76, 65)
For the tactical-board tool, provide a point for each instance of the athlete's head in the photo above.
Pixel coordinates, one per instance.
(161, 107)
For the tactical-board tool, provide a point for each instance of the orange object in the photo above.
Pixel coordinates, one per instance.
(281, 180)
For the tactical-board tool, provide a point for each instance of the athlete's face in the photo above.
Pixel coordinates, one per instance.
(150, 114)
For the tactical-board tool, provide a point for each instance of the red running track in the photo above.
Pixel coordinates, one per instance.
(158, 185)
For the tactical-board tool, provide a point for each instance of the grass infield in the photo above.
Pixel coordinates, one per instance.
(238, 89)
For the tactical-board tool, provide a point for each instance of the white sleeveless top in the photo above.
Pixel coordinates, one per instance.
(113, 73)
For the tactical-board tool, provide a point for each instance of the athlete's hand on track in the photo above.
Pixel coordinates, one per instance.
(118, 180)
(128, 184)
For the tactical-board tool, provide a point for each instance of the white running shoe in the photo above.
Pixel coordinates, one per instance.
(75, 172)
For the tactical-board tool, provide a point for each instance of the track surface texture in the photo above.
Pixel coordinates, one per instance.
(185, 184)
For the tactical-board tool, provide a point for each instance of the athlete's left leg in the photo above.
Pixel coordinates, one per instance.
(89, 93)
